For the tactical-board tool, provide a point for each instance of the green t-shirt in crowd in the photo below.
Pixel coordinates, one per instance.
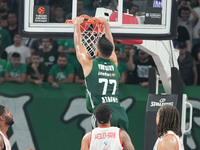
(61, 74)
(122, 67)
(15, 72)
(5, 40)
(3, 65)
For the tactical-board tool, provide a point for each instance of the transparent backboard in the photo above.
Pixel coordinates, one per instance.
(132, 19)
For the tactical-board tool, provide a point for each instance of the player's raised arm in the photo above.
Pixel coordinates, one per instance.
(109, 36)
(81, 52)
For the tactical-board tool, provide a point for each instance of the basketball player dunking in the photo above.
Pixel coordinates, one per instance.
(101, 73)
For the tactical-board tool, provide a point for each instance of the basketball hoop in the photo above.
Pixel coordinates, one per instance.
(91, 30)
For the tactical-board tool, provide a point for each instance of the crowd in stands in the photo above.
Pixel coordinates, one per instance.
(40, 60)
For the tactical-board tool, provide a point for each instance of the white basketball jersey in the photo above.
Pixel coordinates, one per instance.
(6, 141)
(105, 139)
(180, 143)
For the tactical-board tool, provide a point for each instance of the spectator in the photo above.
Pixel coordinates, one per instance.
(19, 48)
(3, 64)
(122, 67)
(196, 49)
(35, 70)
(134, 9)
(66, 46)
(142, 66)
(12, 24)
(48, 55)
(187, 65)
(184, 20)
(197, 26)
(5, 39)
(15, 71)
(62, 72)
(59, 15)
(3, 10)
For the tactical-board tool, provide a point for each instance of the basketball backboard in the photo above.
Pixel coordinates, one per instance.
(132, 19)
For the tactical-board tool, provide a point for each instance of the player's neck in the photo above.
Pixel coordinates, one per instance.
(104, 125)
(4, 129)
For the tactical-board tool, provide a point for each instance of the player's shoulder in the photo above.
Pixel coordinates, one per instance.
(87, 136)
(168, 141)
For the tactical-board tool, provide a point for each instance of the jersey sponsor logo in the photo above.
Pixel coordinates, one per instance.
(106, 74)
(106, 68)
(105, 135)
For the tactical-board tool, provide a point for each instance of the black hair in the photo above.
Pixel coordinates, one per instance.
(105, 47)
(182, 45)
(169, 119)
(102, 113)
(35, 54)
(15, 55)
(2, 109)
(183, 8)
(62, 55)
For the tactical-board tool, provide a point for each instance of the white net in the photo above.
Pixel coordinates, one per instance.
(90, 35)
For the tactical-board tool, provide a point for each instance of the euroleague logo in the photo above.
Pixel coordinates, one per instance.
(41, 10)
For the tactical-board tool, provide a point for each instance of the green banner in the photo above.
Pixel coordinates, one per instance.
(47, 118)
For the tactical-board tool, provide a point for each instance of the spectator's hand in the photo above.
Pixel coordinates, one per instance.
(132, 52)
(35, 66)
(144, 84)
(78, 20)
(2, 80)
(19, 80)
(39, 82)
(182, 3)
(54, 84)
(60, 49)
(188, 3)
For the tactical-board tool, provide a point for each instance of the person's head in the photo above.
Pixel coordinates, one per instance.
(143, 56)
(168, 119)
(17, 39)
(12, 18)
(46, 43)
(127, 49)
(59, 12)
(35, 58)
(3, 6)
(104, 47)
(117, 51)
(134, 9)
(62, 61)
(182, 46)
(102, 113)
(184, 13)
(80, 5)
(6, 118)
(15, 59)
